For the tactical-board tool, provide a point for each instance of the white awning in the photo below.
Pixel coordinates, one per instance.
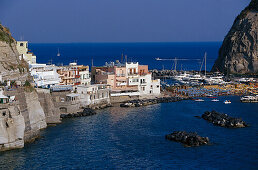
(72, 95)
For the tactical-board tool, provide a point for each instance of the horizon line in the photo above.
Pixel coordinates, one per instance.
(122, 42)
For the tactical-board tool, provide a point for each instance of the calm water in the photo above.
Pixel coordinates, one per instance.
(145, 53)
(133, 138)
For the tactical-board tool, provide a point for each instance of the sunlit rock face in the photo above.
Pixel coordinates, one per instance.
(11, 67)
(12, 128)
(238, 53)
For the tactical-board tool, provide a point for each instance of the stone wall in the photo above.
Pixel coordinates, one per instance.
(119, 99)
(52, 113)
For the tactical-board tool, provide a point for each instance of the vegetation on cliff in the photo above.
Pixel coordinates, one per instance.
(5, 35)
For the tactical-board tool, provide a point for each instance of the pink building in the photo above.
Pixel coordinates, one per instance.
(119, 76)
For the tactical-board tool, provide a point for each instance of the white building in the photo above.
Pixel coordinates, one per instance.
(29, 57)
(93, 94)
(148, 86)
(144, 81)
(44, 75)
(85, 77)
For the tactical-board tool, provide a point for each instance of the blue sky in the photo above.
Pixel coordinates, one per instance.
(55, 21)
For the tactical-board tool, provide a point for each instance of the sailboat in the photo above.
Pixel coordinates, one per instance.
(58, 53)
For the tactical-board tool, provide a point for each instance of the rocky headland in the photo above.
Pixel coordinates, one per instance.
(22, 119)
(239, 51)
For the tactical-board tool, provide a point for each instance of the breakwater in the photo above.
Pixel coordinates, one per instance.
(146, 102)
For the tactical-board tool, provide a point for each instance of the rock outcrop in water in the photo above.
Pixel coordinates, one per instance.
(85, 112)
(188, 138)
(223, 120)
(138, 103)
(239, 51)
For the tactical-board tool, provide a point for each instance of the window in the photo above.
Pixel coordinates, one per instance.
(157, 86)
(21, 44)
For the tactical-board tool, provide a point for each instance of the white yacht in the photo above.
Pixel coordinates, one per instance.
(252, 99)
(58, 53)
(199, 100)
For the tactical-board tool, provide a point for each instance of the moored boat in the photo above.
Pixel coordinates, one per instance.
(199, 100)
(227, 102)
(250, 99)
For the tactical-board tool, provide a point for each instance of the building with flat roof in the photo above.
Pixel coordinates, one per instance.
(127, 77)
(25, 54)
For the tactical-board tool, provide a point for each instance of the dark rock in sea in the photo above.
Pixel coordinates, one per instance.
(188, 138)
(138, 103)
(85, 112)
(223, 120)
(238, 53)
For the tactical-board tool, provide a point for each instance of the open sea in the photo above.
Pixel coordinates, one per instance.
(134, 138)
(192, 53)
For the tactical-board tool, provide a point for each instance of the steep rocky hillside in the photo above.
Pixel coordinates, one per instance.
(238, 53)
(11, 68)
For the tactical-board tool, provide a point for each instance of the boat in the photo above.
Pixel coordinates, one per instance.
(199, 100)
(251, 99)
(157, 59)
(58, 53)
(227, 102)
(214, 100)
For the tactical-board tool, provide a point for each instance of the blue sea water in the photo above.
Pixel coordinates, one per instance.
(145, 53)
(134, 138)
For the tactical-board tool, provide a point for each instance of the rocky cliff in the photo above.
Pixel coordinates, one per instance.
(52, 113)
(238, 53)
(11, 68)
(22, 120)
(12, 127)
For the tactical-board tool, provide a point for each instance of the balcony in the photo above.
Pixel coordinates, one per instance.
(120, 75)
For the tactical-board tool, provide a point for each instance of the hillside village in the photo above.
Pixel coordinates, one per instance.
(74, 86)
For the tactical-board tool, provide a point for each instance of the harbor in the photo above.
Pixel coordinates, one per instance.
(117, 137)
(128, 85)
